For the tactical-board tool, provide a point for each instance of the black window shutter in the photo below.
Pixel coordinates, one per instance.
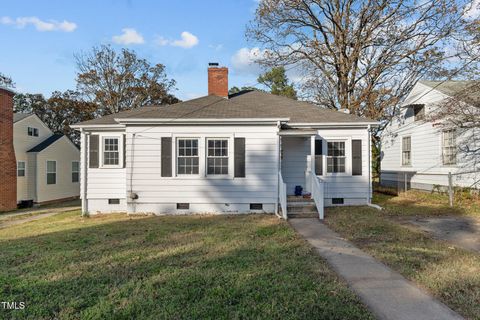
(166, 157)
(318, 158)
(93, 152)
(356, 157)
(239, 157)
(124, 150)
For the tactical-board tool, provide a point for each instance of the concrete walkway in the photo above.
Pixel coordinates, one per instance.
(14, 219)
(388, 294)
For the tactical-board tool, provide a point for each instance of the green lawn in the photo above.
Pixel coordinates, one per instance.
(184, 267)
(449, 273)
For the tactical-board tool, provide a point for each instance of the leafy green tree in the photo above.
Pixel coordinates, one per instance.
(237, 89)
(59, 111)
(276, 80)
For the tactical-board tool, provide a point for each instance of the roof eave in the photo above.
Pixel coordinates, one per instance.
(200, 121)
(333, 124)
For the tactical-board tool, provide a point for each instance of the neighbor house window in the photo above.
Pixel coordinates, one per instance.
(51, 172)
(21, 169)
(32, 132)
(336, 156)
(419, 111)
(449, 148)
(406, 151)
(110, 151)
(217, 156)
(75, 171)
(187, 156)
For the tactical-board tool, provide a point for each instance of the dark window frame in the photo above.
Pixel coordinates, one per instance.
(32, 131)
(114, 201)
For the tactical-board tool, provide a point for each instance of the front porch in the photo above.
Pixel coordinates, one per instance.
(297, 169)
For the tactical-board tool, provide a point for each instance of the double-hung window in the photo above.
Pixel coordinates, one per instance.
(21, 169)
(187, 156)
(75, 171)
(335, 156)
(449, 148)
(217, 156)
(51, 172)
(406, 151)
(32, 132)
(111, 151)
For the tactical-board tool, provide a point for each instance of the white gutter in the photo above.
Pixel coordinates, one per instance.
(197, 120)
(97, 126)
(330, 124)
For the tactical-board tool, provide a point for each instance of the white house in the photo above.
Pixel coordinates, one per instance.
(419, 154)
(47, 164)
(223, 153)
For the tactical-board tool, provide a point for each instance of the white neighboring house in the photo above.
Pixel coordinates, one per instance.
(419, 154)
(47, 164)
(223, 153)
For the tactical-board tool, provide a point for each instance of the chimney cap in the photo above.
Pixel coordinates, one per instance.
(213, 64)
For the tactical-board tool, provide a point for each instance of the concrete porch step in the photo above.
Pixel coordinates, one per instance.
(309, 207)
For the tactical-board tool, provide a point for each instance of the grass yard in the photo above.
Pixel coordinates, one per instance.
(183, 267)
(449, 273)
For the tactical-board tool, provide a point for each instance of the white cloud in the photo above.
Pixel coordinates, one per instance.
(245, 60)
(187, 41)
(473, 10)
(40, 25)
(129, 36)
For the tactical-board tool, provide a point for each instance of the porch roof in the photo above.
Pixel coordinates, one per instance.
(297, 132)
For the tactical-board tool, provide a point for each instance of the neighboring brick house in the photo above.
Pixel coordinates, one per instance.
(8, 181)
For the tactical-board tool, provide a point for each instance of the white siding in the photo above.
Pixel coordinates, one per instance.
(204, 193)
(426, 144)
(106, 183)
(63, 152)
(22, 142)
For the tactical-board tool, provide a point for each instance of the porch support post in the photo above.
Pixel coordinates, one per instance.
(312, 154)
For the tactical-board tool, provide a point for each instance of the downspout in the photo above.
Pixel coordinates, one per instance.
(369, 197)
(84, 172)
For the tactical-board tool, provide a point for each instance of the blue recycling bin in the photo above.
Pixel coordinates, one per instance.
(298, 190)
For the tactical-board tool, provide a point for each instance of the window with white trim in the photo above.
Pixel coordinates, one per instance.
(51, 172)
(187, 156)
(32, 132)
(217, 156)
(75, 171)
(21, 169)
(336, 156)
(111, 154)
(406, 151)
(449, 147)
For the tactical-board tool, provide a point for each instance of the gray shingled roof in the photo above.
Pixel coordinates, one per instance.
(452, 87)
(20, 116)
(245, 104)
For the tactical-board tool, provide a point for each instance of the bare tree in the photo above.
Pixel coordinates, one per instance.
(362, 55)
(118, 81)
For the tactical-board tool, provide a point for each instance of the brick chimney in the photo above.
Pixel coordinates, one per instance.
(8, 163)
(217, 80)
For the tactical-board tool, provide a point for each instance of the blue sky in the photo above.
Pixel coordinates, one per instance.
(39, 39)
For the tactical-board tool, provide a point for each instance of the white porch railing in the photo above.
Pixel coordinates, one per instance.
(315, 184)
(282, 195)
